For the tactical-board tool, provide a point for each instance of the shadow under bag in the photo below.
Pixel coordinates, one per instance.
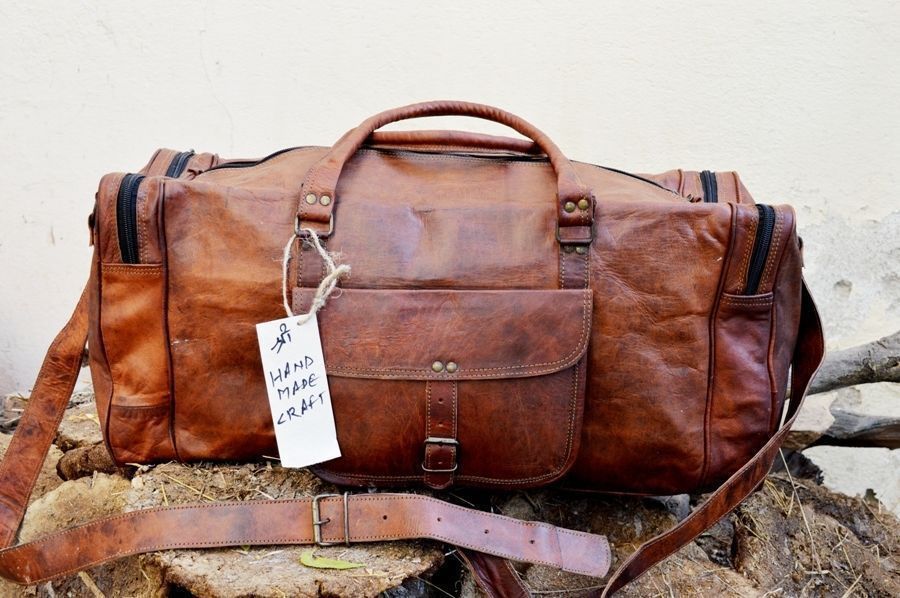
(513, 320)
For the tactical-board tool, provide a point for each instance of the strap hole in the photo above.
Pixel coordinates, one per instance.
(384, 517)
(531, 541)
(485, 531)
(439, 519)
(440, 400)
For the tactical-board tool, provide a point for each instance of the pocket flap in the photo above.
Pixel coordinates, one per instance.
(399, 334)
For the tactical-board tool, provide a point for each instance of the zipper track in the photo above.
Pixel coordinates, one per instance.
(250, 163)
(710, 186)
(760, 247)
(126, 217)
(399, 152)
(508, 158)
(178, 164)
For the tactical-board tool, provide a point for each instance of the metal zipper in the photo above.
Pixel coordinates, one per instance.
(760, 248)
(507, 157)
(710, 186)
(250, 163)
(401, 152)
(126, 218)
(178, 164)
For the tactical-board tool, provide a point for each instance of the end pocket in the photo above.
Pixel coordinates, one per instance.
(741, 401)
(132, 323)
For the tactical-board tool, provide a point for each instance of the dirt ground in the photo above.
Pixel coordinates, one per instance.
(792, 537)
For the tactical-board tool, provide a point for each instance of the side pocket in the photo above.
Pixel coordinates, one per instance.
(134, 337)
(741, 406)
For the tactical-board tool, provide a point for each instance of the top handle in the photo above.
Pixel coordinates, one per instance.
(317, 193)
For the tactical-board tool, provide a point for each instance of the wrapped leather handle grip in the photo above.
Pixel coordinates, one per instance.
(317, 193)
(450, 140)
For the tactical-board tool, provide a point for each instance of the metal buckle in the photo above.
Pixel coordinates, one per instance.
(441, 441)
(298, 230)
(587, 241)
(318, 522)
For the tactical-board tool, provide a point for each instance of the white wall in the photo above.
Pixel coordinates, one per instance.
(801, 98)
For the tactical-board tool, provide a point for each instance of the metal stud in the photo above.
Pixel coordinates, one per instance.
(581, 250)
(452, 367)
(583, 204)
(310, 198)
(325, 200)
(569, 206)
(568, 248)
(437, 367)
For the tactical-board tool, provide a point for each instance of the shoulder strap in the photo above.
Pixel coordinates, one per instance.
(351, 518)
(497, 578)
(321, 520)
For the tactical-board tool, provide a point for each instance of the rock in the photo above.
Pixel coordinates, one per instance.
(717, 542)
(868, 414)
(11, 407)
(812, 422)
(85, 460)
(854, 471)
(862, 415)
(835, 543)
(77, 502)
(47, 478)
(80, 426)
(757, 549)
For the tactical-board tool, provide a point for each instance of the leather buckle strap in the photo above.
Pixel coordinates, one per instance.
(441, 442)
(318, 522)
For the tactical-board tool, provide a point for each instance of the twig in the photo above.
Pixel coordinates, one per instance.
(90, 585)
(189, 487)
(567, 591)
(852, 586)
(439, 589)
(812, 543)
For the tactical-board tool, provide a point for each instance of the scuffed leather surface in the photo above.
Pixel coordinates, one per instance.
(519, 358)
(488, 334)
(135, 350)
(424, 220)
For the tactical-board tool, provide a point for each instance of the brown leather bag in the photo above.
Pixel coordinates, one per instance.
(513, 319)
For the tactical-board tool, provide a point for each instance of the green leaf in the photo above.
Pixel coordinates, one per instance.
(310, 560)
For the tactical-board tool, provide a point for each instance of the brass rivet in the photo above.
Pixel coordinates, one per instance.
(324, 200)
(310, 198)
(452, 367)
(437, 367)
(569, 206)
(583, 204)
(581, 249)
(568, 248)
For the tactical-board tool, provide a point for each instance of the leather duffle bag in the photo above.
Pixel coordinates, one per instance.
(513, 319)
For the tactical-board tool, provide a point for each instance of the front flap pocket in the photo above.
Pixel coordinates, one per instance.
(479, 388)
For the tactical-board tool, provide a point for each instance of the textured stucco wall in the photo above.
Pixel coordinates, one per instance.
(800, 97)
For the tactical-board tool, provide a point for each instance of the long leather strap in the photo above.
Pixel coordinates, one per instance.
(497, 577)
(353, 518)
(342, 518)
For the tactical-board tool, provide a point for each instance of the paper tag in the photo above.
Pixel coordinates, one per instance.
(297, 385)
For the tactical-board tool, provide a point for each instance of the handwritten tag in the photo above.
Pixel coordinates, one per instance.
(298, 391)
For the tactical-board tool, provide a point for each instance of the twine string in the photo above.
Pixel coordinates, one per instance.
(333, 272)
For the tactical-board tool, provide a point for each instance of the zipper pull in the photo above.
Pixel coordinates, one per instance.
(91, 219)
